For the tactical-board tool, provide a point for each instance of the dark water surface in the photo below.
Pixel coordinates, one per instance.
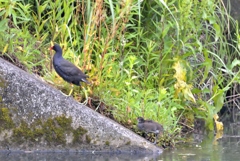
(202, 148)
(206, 148)
(210, 147)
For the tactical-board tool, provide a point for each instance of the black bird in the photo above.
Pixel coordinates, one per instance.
(150, 126)
(65, 69)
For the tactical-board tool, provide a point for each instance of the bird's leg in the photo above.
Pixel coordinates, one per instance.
(86, 96)
(156, 137)
(64, 94)
(70, 93)
(155, 140)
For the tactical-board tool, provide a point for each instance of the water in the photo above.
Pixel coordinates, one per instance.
(202, 148)
(225, 149)
(209, 147)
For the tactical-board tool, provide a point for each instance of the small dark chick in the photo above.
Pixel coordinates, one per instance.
(150, 126)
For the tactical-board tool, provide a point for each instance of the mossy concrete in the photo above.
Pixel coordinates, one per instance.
(37, 117)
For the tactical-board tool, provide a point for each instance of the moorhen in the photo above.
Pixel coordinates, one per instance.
(148, 126)
(65, 69)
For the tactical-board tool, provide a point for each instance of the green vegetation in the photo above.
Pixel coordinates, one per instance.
(171, 61)
(77, 135)
(24, 132)
(6, 121)
(53, 131)
(107, 143)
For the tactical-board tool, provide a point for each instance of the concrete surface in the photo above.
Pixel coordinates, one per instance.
(31, 113)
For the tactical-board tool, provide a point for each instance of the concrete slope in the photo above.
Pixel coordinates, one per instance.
(37, 117)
